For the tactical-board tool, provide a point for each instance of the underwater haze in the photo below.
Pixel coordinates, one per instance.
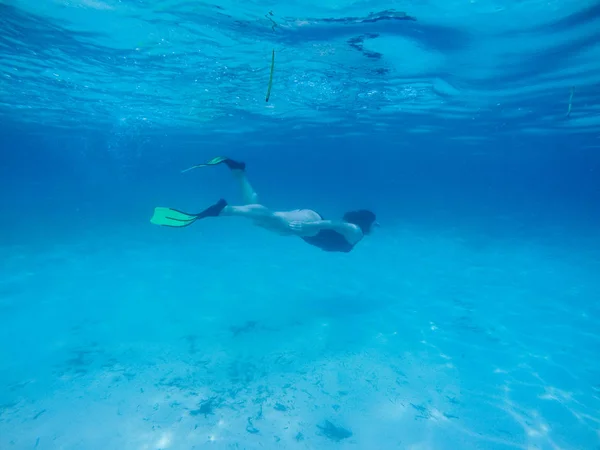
(470, 319)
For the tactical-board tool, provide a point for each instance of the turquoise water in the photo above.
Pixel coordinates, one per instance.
(469, 320)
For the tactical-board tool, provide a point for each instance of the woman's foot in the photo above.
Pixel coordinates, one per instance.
(234, 165)
(213, 211)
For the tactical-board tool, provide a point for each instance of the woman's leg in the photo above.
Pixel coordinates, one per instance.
(248, 193)
(255, 212)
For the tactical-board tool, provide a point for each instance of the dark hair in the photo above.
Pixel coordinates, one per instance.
(362, 218)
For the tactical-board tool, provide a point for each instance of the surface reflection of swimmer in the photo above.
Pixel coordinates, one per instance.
(329, 235)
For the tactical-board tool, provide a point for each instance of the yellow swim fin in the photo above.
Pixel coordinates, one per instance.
(169, 217)
(213, 162)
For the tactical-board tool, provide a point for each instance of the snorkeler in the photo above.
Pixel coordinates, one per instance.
(329, 235)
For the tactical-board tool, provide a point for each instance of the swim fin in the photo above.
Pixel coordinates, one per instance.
(169, 217)
(233, 165)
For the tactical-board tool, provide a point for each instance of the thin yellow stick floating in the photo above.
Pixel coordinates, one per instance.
(271, 76)
(570, 101)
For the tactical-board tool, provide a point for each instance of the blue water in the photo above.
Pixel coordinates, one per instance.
(469, 320)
